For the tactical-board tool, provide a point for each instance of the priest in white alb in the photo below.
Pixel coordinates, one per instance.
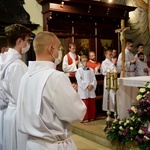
(12, 68)
(129, 60)
(48, 104)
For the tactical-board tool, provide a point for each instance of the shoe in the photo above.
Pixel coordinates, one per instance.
(85, 121)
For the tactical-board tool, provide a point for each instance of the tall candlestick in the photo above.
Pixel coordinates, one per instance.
(108, 79)
(115, 80)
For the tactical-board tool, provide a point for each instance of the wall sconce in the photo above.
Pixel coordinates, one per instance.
(62, 5)
(89, 9)
(50, 17)
(110, 1)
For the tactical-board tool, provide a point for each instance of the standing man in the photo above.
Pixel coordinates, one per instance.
(141, 66)
(48, 104)
(140, 49)
(71, 61)
(108, 64)
(12, 68)
(114, 54)
(92, 63)
(129, 60)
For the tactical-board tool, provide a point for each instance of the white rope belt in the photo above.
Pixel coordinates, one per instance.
(48, 141)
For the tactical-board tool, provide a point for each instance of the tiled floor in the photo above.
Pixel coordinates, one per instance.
(85, 144)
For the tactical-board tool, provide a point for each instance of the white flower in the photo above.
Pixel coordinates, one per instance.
(147, 138)
(139, 97)
(125, 124)
(148, 86)
(142, 90)
(127, 121)
(120, 122)
(140, 131)
(121, 128)
(134, 109)
(131, 128)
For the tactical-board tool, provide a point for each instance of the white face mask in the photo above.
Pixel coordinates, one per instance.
(25, 49)
(59, 59)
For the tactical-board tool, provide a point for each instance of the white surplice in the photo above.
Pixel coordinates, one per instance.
(12, 68)
(129, 68)
(85, 78)
(107, 64)
(69, 68)
(140, 65)
(47, 107)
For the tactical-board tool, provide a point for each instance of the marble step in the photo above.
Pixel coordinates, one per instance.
(93, 131)
(85, 144)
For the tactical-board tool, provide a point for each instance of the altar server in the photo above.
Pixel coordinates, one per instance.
(48, 104)
(141, 66)
(86, 88)
(92, 63)
(129, 60)
(71, 61)
(12, 68)
(108, 64)
(140, 48)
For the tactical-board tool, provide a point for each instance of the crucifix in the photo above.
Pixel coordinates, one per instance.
(122, 40)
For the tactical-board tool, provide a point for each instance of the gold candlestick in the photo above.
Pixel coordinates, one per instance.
(115, 88)
(108, 79)
(115, 80)
(108, 87)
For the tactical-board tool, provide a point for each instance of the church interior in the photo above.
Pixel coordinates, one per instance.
(94, 25)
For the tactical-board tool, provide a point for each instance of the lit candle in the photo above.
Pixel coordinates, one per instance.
(108, 79)
(115, 79)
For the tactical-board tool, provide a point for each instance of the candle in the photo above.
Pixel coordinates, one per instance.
(108, 79)
(115, 79)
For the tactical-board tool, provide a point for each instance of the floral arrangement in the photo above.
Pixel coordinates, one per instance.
(134, 131)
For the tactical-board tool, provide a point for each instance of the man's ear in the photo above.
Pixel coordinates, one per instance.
(50, 49)
(19, 40)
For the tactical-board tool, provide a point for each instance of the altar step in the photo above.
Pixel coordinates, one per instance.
(93, 131)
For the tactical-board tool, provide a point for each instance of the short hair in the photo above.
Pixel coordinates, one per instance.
(3, 42)
(139, 54)
(15, 31)
(140, 44)
(108, 50)
(114, 49)
(72, 44)
(128, 41)
(42, 40)
(83, 56)
(91, 52)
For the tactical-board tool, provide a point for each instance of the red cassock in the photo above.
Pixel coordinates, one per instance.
(92, 65)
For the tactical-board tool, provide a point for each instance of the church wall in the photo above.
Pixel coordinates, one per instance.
(34, 10)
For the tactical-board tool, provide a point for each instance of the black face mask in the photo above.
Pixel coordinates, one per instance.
(142, 59)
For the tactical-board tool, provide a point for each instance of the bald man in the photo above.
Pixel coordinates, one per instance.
(48, 103)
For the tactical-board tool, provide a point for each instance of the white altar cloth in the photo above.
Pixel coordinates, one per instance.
(127, 92)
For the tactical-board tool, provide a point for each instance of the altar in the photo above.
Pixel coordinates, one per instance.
(127, 92)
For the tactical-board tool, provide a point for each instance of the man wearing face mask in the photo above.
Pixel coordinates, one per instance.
(47, 111)
(12, 68)
(141, 66)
